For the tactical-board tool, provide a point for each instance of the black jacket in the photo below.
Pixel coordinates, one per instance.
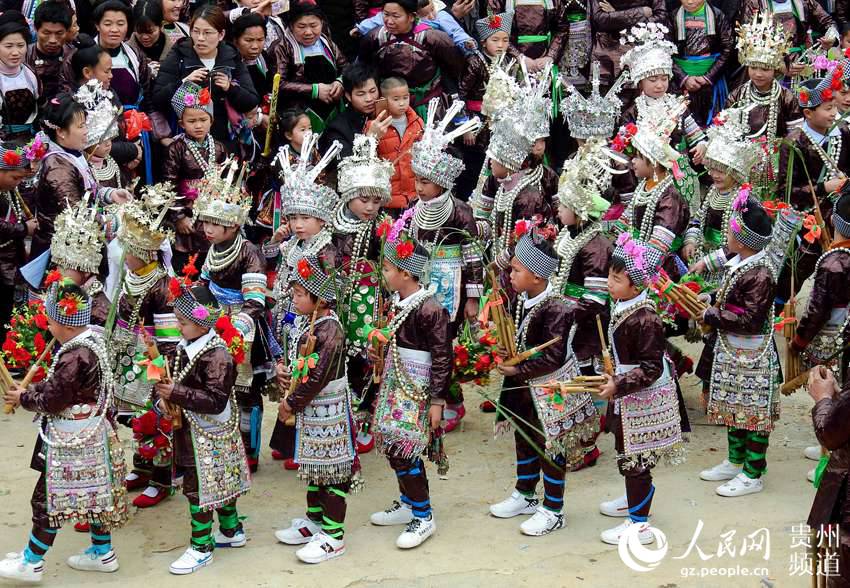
(183, 60)
(343, 127)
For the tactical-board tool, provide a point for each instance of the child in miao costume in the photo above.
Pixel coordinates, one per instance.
(414, 385)
(78, 453)
(208, 446)
(321, 403)
(550, 428)
(643, 411)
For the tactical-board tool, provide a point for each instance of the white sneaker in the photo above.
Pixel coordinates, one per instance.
(321, 548)
(300, 532)
(514, 505)
(239, 539)
(397, 514)
(543, 522)
(89, 561)
(14, 567)
(740, 485)
(619, 507)
(192, 560)
(417, 531)
(810, 476)
(812, 452)
(722, 471)
(612, 536)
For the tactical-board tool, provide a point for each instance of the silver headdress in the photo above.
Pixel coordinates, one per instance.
(300, 193)
(363, 173)
(655, 123)
(222, 198)
(141, 229)
(729, 148)
(586, 176)
(430, 161)
(652, 53)
(501, 90)
(101, 112)
(763, 42)
(596, 115)
(78, 239)
(522, 123)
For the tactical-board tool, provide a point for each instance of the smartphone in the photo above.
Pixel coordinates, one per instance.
(381, 105)
(223, 69)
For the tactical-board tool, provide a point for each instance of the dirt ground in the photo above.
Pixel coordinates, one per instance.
(470, 547)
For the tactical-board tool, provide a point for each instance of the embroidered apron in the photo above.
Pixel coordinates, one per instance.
(400, 426)
(744, 382)
(220, 460)
(650, 420)
(132, 391)
(827, 342)
(446, 268)
(324, 448)
(85, 482)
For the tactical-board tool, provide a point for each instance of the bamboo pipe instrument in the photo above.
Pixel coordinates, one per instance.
(522, 356)
(306, 349)
(607, 362)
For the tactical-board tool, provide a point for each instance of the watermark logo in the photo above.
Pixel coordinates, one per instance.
(640, 557)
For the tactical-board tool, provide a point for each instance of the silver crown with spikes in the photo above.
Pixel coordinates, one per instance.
(300, 193)
(430, 161)
(762, 42)
(78, 239)
(730, 149)
(222, 198)
(141, 229)
(596, 115)
(501, 90)
(655, 124)
(525, 121)
(587, 175)
(101, 112)
(363, 173)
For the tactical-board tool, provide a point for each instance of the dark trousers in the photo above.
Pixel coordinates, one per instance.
(412, 484)
(326, 506)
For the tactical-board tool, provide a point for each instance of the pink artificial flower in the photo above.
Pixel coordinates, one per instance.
(398, 225)
(200, 313)
(678, 174)
(623, 238)
(189, 100)
(733, 223)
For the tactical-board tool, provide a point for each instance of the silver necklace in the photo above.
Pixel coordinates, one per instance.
(205, 163)
(220, 260)
(107, 171)
(430, 216)
(567, 248)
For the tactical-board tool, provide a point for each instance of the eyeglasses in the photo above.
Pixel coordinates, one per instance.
(204, 33)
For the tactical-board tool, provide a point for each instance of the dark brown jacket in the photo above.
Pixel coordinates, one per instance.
(12, 235)
(250, 260)
(536, 20)
(801, 194)
(811, 16)
(830, 417)
(157, 301)
(330, 345)
(789, 110)
(205, 389)
(427, 330)
(295, 88)
(830, 290)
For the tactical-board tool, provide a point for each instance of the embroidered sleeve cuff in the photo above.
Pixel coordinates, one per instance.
(474, 290)
(693, 235)
(254, 287)
(661, 238)
(271, 250)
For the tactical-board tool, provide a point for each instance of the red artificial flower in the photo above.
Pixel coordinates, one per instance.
(836, 84)
(39, 343)
(40, 374)
(804, 96)
(21, 355)
(69, 305)
(204, 96)
(483, 363)
(175, 288)
(239, 356)
(223, 323)
(383, 229)
(495, 21)
(631, 129)
(304, 269)
(147, 451)
(165, 424)
(9, 344)
(404, 249)
(488, 339)
(189, 270)
(12, 158)
(618, 144)
(160, 441)
(135, 123)
(521, 228)
(461, 356)
(52, 277)
(40, 320)
(826, 95)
